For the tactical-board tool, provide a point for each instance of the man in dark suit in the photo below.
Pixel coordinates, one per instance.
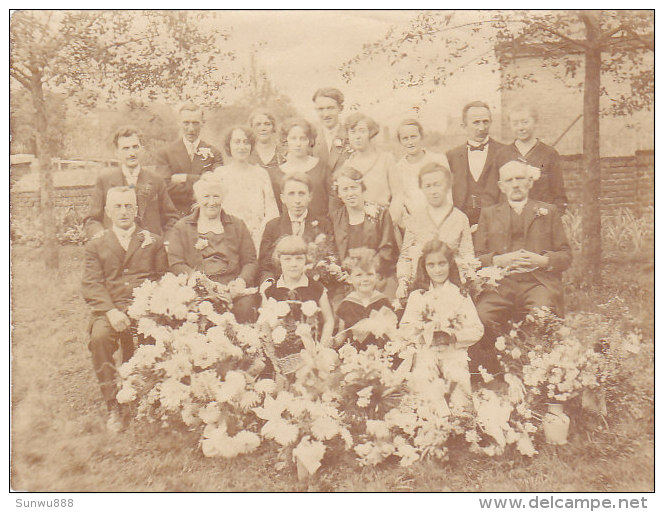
(155, 211)
(526, 238)
(331, 145)
(115, 263)
(183, 161)
(475, 164)
(295, 220)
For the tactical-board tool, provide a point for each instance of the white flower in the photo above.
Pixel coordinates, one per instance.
(266, 386)
(515, 353)
(201, 244)
(282, 308)
(205, 153)
(314, 223)
(320, 238)
(303, 330)
(500, 343)
(541, 212)
(338, 143)
(309, 308)
(147, 238)
(279, 335)
(371, 210)
(378, 429)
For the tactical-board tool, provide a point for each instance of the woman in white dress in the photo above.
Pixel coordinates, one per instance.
(408, 198)
(247, 187)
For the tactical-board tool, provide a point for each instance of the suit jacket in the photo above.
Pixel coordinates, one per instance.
(544, 234)
(111, 273)
(338, 154)
(238, 251)
(281, 226)
(378, 234)
(155, 213)
(458, 161)
(174, 159)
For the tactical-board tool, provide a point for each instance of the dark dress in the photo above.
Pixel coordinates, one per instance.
(351, 311)
(321, 182)
(292, 345)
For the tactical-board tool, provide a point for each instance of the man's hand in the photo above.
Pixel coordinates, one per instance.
(178, 178)
(118, 320)
(236, 287)
(521, 260)
(532, 259)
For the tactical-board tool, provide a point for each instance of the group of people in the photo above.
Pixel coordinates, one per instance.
(402, 229)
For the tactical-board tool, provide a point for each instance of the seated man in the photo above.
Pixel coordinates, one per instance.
(525, 237)
(155, 211)
(295, 220)
(115, 263)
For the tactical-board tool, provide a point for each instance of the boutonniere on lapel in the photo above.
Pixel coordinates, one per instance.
(541, 212)
(147, 238)
(371, 211)
(205, 153)
(314, 223)
(201, 244)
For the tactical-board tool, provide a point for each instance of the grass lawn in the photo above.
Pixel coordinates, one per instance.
(59, 441)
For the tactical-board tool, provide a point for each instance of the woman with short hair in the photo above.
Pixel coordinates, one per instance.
(266, 152)
(247, 187)
(377, 167)
(299, 136)
(362, 223)
(219, 245)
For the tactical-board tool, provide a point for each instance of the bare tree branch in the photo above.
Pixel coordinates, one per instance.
(20, 77)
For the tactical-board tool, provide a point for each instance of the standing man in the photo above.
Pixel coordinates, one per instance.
(155, 210)
(183, 161)
(115, 263)
(331, 145)
(526, 238)
(475, 164)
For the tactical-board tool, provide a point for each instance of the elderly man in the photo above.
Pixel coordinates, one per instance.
(526, 238)
(155, 211)
(115, 263)
(475, 164)
(183, 161)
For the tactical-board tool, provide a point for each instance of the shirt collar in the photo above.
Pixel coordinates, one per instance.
(302, 283)
(474, 143)
(445, 286)
(301, 218)
(355, 297)
(517, 206)
(206, 225)
(124, 233)
(192, 145)
(129, 173)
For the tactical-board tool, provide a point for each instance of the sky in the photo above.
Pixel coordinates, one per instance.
(304, 50)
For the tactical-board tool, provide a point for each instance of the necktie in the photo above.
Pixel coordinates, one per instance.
(299, 228)
(478, 148)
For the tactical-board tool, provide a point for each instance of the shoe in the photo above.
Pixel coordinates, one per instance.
(114, 423)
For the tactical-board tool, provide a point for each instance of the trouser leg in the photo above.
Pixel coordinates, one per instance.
(103, 344)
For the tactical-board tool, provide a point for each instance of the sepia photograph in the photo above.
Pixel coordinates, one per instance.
(340, 251)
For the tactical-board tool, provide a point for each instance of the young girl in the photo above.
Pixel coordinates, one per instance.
(362, 265)
(295, 288)
(446, 320)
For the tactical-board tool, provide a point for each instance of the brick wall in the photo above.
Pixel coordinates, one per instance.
(626, 182)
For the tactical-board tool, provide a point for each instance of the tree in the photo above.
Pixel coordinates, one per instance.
(611, 44)
(97, 55)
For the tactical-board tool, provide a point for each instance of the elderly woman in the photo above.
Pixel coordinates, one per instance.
(247, 188)
(408, 198)
(211, 241)
(360, 223)
(266, 151)
(300, 136)
(377, 167)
